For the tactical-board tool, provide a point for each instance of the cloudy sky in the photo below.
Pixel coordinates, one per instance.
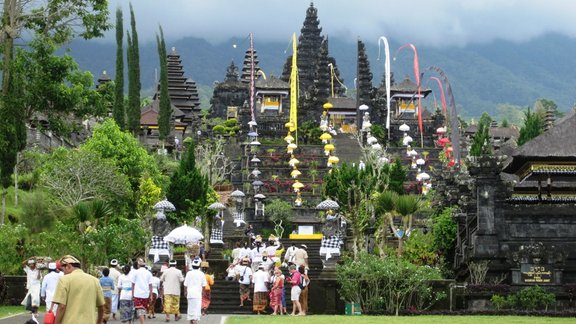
(422, 22)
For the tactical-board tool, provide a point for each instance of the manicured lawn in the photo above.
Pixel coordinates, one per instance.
(326, 319)
(6, 311)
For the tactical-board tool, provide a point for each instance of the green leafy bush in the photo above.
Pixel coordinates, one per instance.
(444, 230)
(386, 284)
(531, 298)
(12, 247)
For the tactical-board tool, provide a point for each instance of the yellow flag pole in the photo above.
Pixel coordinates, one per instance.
(294, 89)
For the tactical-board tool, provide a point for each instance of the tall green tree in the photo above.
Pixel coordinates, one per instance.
(533, 126)
(118, 111)
(57, 20)
(481, 141)
(134, 85)
(165, 112)
(125, 152)
(189, 188)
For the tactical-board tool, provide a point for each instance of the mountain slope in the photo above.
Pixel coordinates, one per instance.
(482, 76)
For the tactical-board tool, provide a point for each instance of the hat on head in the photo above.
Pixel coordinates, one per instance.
(196, 263)
(52, 265)
(31, 261)
(172, 262)
(68, 259)
(141, 262)
(258, 238)
(113, 262)
(204, 264)
(272, 237)
(304, 246)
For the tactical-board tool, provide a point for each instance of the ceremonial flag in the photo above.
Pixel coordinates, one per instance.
(294, 87)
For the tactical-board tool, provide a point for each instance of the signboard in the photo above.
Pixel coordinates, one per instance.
(536, 273)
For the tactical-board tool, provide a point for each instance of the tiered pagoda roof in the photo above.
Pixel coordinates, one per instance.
(546, 165)
(245, 78)
(182, 90)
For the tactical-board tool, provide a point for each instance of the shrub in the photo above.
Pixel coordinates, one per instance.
(390, 284)
(531, 298)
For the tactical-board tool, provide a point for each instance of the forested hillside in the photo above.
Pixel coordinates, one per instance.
(482, 76)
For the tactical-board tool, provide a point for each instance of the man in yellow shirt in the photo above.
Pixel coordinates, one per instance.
(78, 295)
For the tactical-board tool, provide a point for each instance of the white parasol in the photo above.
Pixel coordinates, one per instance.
(217, 206)
(164, 205)
(184, 235)
(328, 204)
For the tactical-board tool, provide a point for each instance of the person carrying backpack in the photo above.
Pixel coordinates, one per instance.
(304, 283)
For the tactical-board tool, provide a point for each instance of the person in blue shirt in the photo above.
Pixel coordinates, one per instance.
(107, 285)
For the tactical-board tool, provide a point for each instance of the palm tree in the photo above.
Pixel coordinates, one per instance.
(405, 206)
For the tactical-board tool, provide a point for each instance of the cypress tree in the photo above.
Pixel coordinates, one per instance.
(134, 85)
(188, 189)
(165, 112)
(118, 112)
(533, 126)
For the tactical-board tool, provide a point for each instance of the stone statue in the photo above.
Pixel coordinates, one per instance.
(333, 232)
(366, 121)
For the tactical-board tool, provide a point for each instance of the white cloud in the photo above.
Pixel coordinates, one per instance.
(422, 22)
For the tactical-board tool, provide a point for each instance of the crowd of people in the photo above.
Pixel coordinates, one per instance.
(259, 267)
(128, 293)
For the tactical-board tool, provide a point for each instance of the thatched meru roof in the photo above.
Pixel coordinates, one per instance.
(557, 145)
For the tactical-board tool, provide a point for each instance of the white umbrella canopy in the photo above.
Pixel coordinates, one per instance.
(165, 205)
(237, 194)
(184, 235)
(328, 204)
(217, 205)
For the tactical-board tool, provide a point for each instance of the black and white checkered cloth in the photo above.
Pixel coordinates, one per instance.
(159, 243)
(216, 235)
(331, 242)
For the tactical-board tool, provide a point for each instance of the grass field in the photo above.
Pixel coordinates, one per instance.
(331, 319)
(6, 311)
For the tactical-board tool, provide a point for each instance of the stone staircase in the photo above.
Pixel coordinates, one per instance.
(347, 148)
(225, 294)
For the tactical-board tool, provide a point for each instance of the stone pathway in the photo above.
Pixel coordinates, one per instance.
(208, 319)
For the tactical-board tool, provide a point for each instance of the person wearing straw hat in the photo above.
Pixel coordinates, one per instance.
(78, 295)
(244, 274)
(171, 279)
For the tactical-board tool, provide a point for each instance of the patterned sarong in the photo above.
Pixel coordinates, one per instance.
(172, 304)
(141, 303)
(107, 308)
(276, 297)
(260, 301)
(244, 291)
(205, 299)
(152, 304)
(126, 310)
